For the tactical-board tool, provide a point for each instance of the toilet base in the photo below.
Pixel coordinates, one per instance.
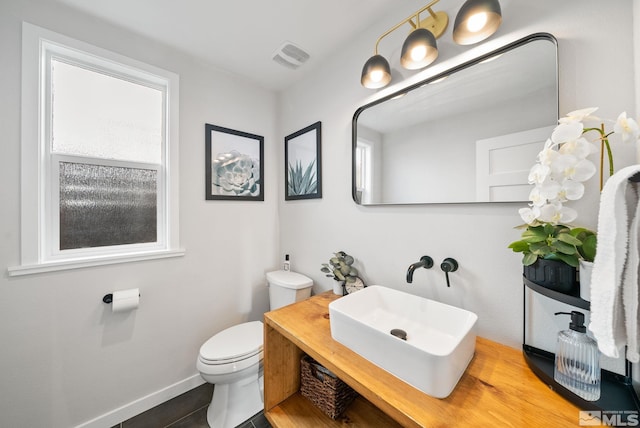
(234, 403)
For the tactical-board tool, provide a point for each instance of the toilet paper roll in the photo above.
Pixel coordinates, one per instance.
(125, 300)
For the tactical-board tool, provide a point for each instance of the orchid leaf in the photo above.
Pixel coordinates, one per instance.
(570, 260)
(588, 248)
(529, 259)
(569, 239)
(565, 248)
(519, 246)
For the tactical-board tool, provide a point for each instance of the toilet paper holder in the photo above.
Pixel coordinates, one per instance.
(108, 298)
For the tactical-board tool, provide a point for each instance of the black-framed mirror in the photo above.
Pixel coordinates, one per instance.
(469, 134)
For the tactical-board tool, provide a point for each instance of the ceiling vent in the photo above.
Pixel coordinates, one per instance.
(290, 55)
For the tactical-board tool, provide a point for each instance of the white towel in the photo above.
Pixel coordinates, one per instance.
(630, 281)
(607, 317)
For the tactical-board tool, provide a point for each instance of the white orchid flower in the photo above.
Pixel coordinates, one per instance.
(549, 144)
(557, 213)
(570, 167)
(579, 115)
(562, 168)
(580, 148)
(536, 198)
(567, 132)
(539, 173)
(571, 190)
(627, 128)
(563, 165)
(529, 215)
(548, 154)
(583, 170)
(549, 190)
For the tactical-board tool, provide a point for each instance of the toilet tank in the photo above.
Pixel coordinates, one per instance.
(286, 287)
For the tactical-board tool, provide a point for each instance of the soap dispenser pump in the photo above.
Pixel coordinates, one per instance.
(577, 365)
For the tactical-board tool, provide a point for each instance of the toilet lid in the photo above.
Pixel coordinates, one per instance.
(235, 343)
(288, 279)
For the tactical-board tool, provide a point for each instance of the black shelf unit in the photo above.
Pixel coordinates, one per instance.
(617, 392)
(570, 299)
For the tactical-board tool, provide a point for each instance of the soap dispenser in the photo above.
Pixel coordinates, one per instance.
(577, 365)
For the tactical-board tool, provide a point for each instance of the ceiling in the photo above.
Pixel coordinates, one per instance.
(240, 36)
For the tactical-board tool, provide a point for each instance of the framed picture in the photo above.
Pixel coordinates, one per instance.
(303, 179)
(233, 164)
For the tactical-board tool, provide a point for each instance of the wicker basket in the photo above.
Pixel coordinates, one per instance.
(324, 389)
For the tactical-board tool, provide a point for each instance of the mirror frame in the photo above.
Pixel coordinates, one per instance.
(354, 123)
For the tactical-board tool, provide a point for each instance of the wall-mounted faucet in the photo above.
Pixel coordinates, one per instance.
(425, 262)
(449, 265)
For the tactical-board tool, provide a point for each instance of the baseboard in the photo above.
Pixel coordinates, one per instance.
(143, 404)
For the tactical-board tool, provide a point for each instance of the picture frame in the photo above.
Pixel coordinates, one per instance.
(303, 163)
(234, 165)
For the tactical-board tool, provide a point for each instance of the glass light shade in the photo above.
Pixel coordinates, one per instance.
(376, 72)
(419, 49)
(476, 20)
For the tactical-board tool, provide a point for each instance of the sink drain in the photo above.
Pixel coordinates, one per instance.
(399, 333)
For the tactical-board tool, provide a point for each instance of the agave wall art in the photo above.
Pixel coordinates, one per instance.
(302, 159)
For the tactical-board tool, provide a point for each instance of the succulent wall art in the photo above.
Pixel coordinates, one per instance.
(234, 163)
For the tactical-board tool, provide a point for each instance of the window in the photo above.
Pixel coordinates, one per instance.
(363, 175)
(99, 156)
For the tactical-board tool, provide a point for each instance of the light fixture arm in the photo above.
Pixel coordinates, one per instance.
(431, 12)
(408, 20)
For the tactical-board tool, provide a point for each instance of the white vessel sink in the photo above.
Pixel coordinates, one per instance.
(440, 339)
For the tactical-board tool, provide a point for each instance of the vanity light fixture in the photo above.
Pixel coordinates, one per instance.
(476, 20)
(376, 72)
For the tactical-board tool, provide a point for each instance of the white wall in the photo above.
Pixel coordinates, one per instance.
(65, 358)
(596, 69)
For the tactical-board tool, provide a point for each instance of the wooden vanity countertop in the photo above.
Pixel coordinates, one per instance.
(497, 389)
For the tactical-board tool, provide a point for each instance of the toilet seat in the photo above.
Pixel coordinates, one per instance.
(239, 345)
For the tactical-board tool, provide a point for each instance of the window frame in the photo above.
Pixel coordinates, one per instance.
(37, 254)
(364, 174)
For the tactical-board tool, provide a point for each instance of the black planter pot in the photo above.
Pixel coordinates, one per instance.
(552, 274)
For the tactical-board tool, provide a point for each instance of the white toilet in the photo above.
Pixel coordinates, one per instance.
(232, 359)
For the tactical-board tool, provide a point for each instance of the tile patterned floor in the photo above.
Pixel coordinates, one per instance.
(188, 410)
(198, 419)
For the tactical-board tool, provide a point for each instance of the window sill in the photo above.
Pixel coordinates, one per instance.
(90, 262)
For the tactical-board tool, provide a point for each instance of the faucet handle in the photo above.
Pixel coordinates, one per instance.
(449, 265)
